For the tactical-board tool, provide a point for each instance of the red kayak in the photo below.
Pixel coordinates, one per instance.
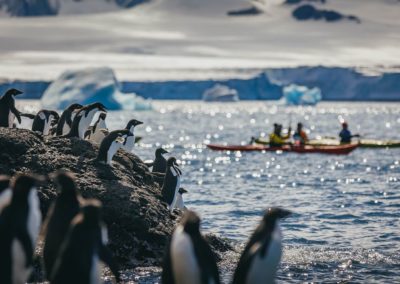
(334, 150)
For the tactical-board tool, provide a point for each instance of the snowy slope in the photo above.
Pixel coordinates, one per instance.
(192, 39)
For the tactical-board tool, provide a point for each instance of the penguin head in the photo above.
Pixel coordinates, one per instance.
(273, 214)
(160, 152)
(182, 190)
(64, 181)
(23, 184)
(133, 123)
(4, 182)
(191, 223)
(91, 212)
(97, 105)
(13, 92)
(74, 107)
(171, 161)
(54, 116)
(102, 116)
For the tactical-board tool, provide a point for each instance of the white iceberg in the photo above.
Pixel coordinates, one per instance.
(301, 95)
(88, 86)
(220, 93)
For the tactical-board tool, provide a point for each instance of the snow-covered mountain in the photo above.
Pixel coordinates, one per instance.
(27, 8)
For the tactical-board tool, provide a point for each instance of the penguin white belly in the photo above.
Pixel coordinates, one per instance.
(35, 216)
(46, 128)
(20, 272)
(129, 144)
(178, 185)
(112, 150)
(66, 129)
(185, 267)
(98, 135)
(5, 198)
(85, 123)
(95, 271)
(263, 270)
(11, 118)
(179, 202)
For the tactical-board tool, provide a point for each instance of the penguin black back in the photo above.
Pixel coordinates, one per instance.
(66, 118)
(258, 243)
(107, 141)
(170, 184)
(83, 247)
(7, 108)
(59, 217)
(206, 267)
(42, 118)
(160, 163)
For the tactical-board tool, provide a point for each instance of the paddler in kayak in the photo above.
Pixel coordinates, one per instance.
(345, 135)
(300, 136)
(276, 139)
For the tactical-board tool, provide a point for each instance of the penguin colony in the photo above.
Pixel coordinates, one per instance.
(75, 236)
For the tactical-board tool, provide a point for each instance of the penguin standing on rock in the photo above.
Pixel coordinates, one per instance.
(172, 183)
(262, 254)
(8, 112)
(65, 122)
(44, 120)
(59, 217)
(5, 191)
(159, 164)
(130, 139)
(179, 199)
(95, 133)
(83, 119)
(110, 145)
(84, 248)
(19, 229)
(189, 258)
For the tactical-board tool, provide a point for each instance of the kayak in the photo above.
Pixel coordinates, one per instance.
(334, 150)
(363, 143)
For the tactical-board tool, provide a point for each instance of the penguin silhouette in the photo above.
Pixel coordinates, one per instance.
(8, 112)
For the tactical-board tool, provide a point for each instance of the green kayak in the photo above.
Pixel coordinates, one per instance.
(363, 143)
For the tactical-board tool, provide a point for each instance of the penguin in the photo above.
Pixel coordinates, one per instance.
(159, 164)
(110, 145)
(172, 182)
(83, 119)
(44, 120)
(130, 139)
(8, 112)
(84, 248)
(59, 217)
(5, 191)
(262, 254)
(179, 200)
(189, 259)
(95, 133)
(19, 229)
(65, 122)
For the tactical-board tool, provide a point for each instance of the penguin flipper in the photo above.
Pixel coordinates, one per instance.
(27, 115)
(16, 113)
(24, 238)
(106, 257)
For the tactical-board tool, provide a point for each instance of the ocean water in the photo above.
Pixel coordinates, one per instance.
(346, 209)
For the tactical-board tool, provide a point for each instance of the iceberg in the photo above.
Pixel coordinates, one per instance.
(301, 95)
(220, 93)
(88, 86)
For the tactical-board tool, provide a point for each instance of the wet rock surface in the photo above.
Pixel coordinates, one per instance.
(139, 223)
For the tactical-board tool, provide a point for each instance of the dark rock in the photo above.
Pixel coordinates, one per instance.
(309, 12)
(252, 11)
(294, 2)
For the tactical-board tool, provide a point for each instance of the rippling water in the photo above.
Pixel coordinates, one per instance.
(347, 208)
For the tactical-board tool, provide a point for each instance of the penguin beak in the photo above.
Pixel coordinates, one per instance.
(283, 213)
(138, 123)
(182, 190)
(164, 151)
(18, 92)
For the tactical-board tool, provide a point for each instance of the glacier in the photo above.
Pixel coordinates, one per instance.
(220, 93)
(301, 95)
(88, 86)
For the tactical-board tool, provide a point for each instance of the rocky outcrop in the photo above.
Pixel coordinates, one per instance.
(139, 223)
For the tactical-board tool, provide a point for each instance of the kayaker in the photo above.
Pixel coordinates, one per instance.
(345, 135)
(276, 139)
(300, 136)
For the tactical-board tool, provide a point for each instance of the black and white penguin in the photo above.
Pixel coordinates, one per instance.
(83, 119)
(189, 258)
(179, 199)
(5, 191)
(159, 165)
(59, 217)
(84, 248)
(110, 145)
(130, 139)
(44, 120)
(65, 122)
(94, 132)
(19, 229)
(8, 112)
(262, 254)
(172, 183)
